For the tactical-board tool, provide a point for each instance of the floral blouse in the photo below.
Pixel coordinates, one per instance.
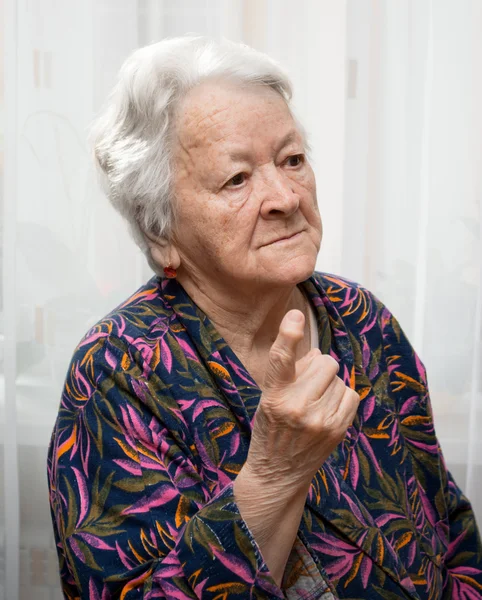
(155, 423)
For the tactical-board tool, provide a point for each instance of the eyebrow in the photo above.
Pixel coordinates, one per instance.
(291, 136)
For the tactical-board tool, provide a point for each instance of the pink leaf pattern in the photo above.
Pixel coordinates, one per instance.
(155, 422)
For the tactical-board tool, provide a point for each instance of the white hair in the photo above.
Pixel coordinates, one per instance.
(133, 135)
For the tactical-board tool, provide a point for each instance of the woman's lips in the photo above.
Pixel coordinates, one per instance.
(286, 239)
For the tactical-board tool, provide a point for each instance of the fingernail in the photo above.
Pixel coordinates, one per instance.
(295, 317)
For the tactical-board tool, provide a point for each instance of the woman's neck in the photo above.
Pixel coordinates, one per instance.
(248, 323)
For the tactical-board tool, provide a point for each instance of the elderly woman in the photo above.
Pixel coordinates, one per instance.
(242, 427)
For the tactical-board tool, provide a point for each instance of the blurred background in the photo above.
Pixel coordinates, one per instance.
(390, 92)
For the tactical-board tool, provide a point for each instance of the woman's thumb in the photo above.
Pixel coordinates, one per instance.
(282, 355)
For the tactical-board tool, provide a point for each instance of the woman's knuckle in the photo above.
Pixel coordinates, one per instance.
(296, 417)
(316, 426)
(336, 390)
(331, 364)
(285, 413)
(277, 355)
(352, 399)
(330, 423)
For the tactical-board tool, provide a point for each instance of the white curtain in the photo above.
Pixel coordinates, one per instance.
(389, 93)
(413, 196)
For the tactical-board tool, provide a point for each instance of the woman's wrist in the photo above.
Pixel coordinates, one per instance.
(275, 481)
(272, 511)
(262, 503)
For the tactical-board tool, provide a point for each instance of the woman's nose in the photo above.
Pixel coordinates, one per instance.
(277, 195)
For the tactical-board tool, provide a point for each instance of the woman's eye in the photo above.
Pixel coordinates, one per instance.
(295, 160)
(237, 180)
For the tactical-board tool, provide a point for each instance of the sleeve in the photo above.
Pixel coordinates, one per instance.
(453, 517)
(134, 515)
(463, 559)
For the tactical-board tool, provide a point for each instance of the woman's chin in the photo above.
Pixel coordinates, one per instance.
(294, 271)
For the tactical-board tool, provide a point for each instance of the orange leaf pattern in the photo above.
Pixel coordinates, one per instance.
(155, 422)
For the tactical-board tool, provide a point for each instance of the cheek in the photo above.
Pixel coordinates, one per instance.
(307, 191)
(310, 186)
(214, 226)
(311, 209)
(227, 233)
(310, 183)
(212, 233)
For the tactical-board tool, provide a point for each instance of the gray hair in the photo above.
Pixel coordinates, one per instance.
(133, 135)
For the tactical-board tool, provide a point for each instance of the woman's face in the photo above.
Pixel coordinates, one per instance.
(245, 194)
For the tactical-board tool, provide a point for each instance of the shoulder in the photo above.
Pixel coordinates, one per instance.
(124, 340)
(334, 284)
(328, 279)
(366, 318)
(358, 312)
(353, 303)
(136, 315)
(134, 318)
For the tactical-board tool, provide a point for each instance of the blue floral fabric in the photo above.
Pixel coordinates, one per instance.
(155, 423)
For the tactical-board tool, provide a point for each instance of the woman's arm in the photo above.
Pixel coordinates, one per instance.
(273, 514)
(464, 555)
(134, 518)
(303, 414)
(455, 521)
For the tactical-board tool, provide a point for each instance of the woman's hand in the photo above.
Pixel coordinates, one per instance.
(303, 413)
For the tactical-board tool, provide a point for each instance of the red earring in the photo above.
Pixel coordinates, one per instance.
(169, 272)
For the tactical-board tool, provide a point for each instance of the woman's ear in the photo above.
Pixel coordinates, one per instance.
(163, 251)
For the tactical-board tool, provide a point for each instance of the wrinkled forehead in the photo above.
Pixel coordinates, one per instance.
(225, 113)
